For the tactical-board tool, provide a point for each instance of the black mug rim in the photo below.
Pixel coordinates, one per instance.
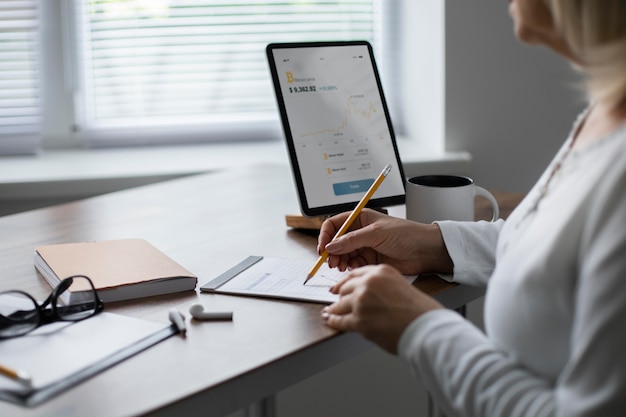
(441, 181)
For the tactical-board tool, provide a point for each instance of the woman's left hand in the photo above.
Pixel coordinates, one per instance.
(378, 302)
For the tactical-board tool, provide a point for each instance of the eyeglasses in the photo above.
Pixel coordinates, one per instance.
(73, 299)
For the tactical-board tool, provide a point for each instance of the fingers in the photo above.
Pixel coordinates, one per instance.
(349, 242)
(347, 261)
(329, 229)
(340, 315)
(341, 322)
(333, 224)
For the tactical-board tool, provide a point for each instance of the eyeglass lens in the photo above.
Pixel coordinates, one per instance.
(19, 314)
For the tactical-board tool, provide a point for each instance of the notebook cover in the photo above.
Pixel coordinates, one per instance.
(120, 269)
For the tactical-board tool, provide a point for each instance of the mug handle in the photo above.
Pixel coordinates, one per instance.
(494, 204)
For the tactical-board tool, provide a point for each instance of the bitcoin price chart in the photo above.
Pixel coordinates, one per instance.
(337, 121)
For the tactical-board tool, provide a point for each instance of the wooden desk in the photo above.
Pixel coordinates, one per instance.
(207, 223)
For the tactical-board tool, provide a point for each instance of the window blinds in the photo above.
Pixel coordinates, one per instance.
(19, 90)
(158, 62)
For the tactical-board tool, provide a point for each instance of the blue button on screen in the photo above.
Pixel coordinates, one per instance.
(352, 187)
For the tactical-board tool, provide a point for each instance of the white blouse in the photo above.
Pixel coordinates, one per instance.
(555, 307)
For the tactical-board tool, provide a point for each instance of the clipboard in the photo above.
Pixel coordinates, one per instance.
(47, 355)
(257, 276)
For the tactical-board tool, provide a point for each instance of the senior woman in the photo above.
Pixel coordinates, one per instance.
(555, 271)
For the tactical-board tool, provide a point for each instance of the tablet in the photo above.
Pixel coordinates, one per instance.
(336, 125)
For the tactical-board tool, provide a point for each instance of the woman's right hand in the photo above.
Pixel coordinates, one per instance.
(376, 238)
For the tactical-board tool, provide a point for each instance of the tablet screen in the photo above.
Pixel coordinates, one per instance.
(336, 125)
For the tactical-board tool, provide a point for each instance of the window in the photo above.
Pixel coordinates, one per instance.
(78, 73)
(163, 62)
(195, 64)
(19, 92)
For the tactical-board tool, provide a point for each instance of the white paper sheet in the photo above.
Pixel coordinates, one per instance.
(284, 278)
(55, 351)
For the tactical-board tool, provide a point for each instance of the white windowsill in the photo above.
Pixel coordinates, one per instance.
(57, 175)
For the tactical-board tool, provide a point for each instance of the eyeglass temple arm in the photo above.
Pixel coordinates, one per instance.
(63, 285)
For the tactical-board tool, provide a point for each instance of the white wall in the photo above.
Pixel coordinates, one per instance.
(510, 105)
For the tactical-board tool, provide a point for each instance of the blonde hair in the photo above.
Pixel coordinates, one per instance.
(595, 32)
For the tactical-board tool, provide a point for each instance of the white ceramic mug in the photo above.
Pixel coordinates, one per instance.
(444, 197)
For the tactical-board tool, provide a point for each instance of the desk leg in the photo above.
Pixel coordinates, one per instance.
(263, 408)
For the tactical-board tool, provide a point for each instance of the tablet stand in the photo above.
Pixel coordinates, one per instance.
(298, 221)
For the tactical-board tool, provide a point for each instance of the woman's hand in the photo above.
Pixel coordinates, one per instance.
(379, 303)
(376, 238)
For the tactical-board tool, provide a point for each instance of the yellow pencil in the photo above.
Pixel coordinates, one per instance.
(17, 375)
(355, 213)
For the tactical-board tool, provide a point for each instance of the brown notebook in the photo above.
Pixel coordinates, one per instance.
(120, 269)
